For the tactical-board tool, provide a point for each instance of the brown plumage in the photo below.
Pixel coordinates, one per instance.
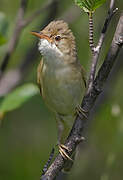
(60, 76)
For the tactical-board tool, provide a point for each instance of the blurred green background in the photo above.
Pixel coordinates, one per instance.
(28, 134)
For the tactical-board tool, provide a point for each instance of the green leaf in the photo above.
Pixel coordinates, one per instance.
(2, 39)
(18, 97)
(89, 5)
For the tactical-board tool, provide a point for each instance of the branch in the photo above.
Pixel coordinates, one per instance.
(112, 3)
(96, 50)
(38, 12)
(13, 77)
(15, 37)
(75, 135)
(20, 24)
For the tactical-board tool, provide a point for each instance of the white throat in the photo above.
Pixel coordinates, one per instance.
(50, 52)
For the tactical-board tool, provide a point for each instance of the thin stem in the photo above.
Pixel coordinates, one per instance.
(105, 27)
(97, 49)
(91, 32)
(112, 3)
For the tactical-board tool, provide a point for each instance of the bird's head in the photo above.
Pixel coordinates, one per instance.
(55, 38)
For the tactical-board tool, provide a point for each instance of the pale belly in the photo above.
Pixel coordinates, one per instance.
(62, 91)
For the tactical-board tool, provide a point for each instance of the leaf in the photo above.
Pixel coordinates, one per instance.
(18, 97)
(89, 5)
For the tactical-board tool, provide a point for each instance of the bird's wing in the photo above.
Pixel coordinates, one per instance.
(39, 73)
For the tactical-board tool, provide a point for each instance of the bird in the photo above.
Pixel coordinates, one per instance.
(61, 77)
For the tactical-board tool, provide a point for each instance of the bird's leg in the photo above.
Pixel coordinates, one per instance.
(80, 111)
(64, 126)
(64, 154)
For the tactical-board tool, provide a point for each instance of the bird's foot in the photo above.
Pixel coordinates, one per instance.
(80, 111)
(64, 151)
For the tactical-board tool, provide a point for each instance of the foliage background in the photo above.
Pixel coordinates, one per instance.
(28, 134)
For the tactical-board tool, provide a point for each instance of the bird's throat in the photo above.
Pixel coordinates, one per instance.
(50, 52)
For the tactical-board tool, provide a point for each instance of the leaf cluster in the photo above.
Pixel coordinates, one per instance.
(89, 5)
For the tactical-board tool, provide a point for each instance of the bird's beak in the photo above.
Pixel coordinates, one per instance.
(41, 35)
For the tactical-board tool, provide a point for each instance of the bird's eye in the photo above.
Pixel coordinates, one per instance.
(58, 38)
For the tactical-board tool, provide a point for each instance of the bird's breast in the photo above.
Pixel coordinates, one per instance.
(62, 88)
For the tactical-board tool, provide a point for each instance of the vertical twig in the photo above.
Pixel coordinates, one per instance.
(91, 32)
(97, 49)
(111, 12)
(112, 3)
